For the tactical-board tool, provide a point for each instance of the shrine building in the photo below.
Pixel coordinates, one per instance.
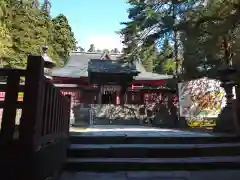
(106, 91)
(97, 78)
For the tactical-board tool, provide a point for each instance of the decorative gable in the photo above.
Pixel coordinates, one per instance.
(105, 56)
(110, 72)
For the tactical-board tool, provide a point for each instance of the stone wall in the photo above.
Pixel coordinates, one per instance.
(111, 111)
(129, 114)
(81, 116)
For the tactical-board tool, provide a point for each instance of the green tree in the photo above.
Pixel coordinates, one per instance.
(205, 30)
(79, 48)
(92, 48)
(5, 37)
(164, 61)
(199, 29)
(25, 27)
(63, 38)
(46, 7)
(115, 50)
(3, 9)
(29, 32)
(98, 50)
(147, 57)
(151, 23)
(105, 50)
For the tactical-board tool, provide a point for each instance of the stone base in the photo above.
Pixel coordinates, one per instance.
(182, 123)
(106, 121)
(167, 121)
(225, 121)
(83, 124)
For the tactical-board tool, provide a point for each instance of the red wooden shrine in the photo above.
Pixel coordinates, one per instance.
(139, 90)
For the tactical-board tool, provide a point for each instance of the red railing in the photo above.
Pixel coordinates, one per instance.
(44, 121)
(56, 114)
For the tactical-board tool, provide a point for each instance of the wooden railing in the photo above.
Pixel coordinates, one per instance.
(56, 114)
(9, 130)
(39, 140)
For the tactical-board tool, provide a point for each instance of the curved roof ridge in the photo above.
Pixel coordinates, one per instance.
(77, 66)
(86, 52)
(139, 66)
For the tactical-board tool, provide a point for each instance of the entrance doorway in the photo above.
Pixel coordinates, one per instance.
(109, 97)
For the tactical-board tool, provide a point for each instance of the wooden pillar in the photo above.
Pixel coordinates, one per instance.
(99, 101)
(30, 129)
(31, 121)
(125, 98)
(118, 97)
(72, 119)
(142, 97)
(67, 120)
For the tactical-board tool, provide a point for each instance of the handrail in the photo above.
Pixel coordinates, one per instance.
(45, 110)
(36, 148)
(10, 106)
(7, 72)
(55, 113)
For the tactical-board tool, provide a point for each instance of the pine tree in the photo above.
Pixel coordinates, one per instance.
(148, 57)
(46, 7)
(197, 26)
(28, 32)
(25, 27)
(115, 50)
(105, 51)
(5, 38)
(35, 3)
(92, 48)
(203, 37)
(63, 37)
(164, 62)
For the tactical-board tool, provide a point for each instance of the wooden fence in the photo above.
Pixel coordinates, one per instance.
(36, 147)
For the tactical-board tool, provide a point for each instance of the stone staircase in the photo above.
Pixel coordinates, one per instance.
(124, 153)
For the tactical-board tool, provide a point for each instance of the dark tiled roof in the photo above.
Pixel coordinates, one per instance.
(77, 66)
(110, 66)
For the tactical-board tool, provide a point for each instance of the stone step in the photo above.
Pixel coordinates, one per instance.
(152, 164)
(122, 149)
(152, 150)
(153, 175)
(117, 139)
(160, 146)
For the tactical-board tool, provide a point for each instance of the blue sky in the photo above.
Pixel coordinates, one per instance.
(93, 21)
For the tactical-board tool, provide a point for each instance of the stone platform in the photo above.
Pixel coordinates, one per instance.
(137, 131)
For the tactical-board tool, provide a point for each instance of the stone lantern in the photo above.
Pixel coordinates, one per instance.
(225, 121)
(48, 63)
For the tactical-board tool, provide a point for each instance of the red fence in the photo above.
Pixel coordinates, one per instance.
(44, 120)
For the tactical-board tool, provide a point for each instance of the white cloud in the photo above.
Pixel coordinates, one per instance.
(102, 41)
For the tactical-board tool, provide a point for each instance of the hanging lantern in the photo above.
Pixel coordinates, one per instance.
(48, 63)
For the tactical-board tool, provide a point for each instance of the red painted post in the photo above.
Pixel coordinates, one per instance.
(31, 121)
(67, 120)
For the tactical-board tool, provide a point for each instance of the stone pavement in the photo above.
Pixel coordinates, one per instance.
(163, 175)
(139, 131)
(143, 131)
